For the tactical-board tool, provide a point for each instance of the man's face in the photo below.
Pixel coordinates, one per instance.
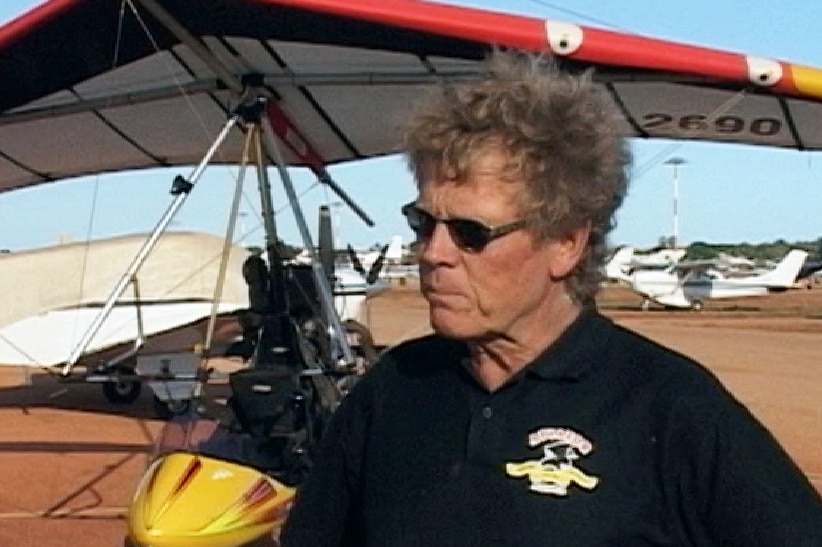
(498, 291)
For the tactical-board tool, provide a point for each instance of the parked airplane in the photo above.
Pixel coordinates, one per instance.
(625, 260)
(689, 285)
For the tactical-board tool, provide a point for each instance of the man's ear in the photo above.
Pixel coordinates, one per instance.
(567, 251)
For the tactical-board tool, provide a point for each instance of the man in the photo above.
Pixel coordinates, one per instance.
(528, 418)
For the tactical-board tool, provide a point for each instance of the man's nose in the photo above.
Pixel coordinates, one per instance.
(439, 248)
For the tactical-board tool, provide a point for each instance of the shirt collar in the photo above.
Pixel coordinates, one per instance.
(575, 351)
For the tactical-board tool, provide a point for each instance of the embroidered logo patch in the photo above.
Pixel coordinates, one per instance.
(556, 470)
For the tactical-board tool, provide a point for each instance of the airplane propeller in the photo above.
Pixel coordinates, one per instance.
(376, 267)
(355, 260)
(374, 272)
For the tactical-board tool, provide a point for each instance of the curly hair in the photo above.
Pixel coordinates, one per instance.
(560, 135)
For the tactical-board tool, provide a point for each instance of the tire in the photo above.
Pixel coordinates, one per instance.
(122, 392)
(697, 305)
(169, 409)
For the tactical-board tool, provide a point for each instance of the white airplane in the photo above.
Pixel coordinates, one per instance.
(626, 259)
(690, 285)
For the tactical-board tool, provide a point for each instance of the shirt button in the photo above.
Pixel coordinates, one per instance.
(487, 412)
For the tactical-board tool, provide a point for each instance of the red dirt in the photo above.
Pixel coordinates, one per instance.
(69, 461)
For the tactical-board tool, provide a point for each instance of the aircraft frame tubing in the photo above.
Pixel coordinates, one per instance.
(181, 193)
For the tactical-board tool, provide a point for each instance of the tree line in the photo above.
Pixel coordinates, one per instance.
(756, 251)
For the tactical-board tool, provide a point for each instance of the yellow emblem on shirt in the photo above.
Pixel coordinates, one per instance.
(556, 470)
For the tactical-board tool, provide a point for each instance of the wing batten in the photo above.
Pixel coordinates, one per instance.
(130, 141)
(318, 108)
(636, 128)
(38, 176)
(789, 120)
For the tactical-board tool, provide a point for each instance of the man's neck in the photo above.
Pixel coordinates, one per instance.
(495, 361)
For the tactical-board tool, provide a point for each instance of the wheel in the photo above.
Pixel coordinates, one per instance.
(171, 408)
(697, 305)
(122, 391)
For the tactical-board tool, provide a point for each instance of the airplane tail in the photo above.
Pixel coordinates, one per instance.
(617, 267)
(394, 252)
(785, 273)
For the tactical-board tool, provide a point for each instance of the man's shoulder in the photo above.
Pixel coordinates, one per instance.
(672, 374)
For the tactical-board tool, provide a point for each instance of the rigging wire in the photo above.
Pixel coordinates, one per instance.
(170, 71)
(95, 193)
(86, 250)
(578, 14)
(666, 152)
(191, 107)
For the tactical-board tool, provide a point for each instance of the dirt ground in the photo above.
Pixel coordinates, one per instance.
(69, 461)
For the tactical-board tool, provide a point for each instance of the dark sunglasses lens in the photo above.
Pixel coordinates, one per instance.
(420, 221)
(469, 234)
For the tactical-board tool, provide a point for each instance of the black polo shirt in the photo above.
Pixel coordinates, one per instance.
(607, 439)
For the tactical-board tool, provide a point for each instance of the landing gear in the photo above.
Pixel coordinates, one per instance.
(697, 305)
(122, 392)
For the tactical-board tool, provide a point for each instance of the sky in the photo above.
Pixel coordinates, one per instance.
(727, 193)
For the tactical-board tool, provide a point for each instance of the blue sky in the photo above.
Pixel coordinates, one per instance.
(727, 193)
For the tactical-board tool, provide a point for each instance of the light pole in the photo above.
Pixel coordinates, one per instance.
(676, 163)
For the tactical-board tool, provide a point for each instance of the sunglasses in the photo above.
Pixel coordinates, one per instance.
(468, 235)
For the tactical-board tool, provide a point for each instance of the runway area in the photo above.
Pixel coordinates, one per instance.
(69, 461)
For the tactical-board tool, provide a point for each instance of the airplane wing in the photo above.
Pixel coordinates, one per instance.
(693, 266)
(43, 318)
(47, 340)
(184, 267)
(101, 86)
